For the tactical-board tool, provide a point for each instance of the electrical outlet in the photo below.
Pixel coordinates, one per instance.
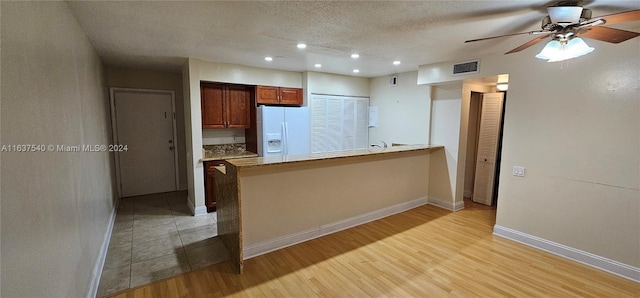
(518, 171)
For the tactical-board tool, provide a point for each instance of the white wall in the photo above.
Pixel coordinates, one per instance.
(404, 110)
(333, 84)
(575, 127)
(446, 106)
(145, 79)
(56, 206)
(222, 136)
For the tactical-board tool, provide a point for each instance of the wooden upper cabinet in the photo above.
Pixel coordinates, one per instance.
(278, 95)
(212, 106)
(238, 115)
(225, 106)
(291, 96)
(267, 95)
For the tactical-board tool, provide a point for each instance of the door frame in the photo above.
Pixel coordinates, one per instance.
(498, 153)
(114, 131)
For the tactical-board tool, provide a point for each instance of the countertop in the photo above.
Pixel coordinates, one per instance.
(266, 161)
(228, 155)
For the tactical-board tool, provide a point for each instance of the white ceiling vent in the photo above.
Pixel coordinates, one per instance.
(466, 67)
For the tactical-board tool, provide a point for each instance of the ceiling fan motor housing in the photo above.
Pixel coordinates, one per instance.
(549, 25)
(565, 15)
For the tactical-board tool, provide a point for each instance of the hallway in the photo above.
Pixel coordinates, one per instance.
(155, 237)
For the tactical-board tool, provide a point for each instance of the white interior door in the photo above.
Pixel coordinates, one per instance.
(144, 123)
(488, 138)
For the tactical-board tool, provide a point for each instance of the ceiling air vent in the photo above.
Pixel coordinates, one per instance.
(466, 67)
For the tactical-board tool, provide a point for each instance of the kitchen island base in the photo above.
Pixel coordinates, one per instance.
(268, 204)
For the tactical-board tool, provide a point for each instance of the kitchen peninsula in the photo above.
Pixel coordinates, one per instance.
(270, 203)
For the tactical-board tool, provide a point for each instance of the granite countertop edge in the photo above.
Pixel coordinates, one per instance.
(261, 161)
(230, 155)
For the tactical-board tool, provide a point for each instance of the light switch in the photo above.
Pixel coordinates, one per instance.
(518, 171)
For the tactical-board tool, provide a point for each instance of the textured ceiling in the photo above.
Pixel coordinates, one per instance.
(161, 34)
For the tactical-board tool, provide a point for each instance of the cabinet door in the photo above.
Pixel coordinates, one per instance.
(291, 96)
(212, 105)
(210, 185)
(267, 95)
(238, 102)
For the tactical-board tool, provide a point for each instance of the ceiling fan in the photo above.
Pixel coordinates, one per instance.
(567, 21)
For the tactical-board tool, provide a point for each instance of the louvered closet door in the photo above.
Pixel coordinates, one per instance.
(339, 123)
(318, 124)
(349, 124)
(488, 137)
(333, 136)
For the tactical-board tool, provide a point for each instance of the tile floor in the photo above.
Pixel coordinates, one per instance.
(156, 237)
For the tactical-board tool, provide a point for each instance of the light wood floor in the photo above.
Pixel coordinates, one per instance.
(424, 252)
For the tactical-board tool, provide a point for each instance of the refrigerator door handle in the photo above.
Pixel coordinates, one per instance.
(285, 145)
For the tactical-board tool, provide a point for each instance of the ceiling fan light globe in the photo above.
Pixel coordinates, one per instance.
(551, 50)
(577, 47)
(574, 48)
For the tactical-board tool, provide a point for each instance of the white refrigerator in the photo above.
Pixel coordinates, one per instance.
(283, 130)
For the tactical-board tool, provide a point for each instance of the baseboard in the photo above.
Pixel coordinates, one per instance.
(182, 186)
(446, 204)
(96, 274)
(292, 239)
(589, 259)
(459, 205)
(467, 193)
(197, 211)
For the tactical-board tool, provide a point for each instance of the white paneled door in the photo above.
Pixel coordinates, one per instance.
(488, 138)
(144, 122)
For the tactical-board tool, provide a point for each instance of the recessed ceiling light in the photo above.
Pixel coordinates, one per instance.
(268, 58)
(356, 70)
(301, 46)
(355, 56)
(318, 65)
(397, 62)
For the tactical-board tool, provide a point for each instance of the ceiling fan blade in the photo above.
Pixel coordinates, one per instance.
(512, 34)
(528, 44)
(608, 34)
(621, 17)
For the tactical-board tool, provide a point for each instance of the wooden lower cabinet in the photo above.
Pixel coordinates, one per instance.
(210, 183)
